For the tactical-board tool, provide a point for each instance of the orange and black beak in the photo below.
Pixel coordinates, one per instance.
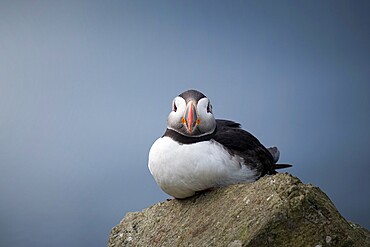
(190, 119)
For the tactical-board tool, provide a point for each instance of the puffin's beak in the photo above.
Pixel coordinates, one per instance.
(190, 117)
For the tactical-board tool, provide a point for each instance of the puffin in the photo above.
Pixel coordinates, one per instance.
(198, 152)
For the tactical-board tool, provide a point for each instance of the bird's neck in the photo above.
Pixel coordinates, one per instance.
(176, 136)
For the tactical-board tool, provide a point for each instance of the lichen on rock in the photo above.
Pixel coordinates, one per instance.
(277, 210)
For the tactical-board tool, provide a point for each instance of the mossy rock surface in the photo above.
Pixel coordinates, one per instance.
(276, 210)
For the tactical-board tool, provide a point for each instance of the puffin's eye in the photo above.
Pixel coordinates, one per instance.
(174, 107)
(209, 108)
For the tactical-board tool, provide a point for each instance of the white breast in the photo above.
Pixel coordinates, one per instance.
(182, 169)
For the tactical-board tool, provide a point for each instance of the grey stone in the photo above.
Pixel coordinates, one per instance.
(276, 210)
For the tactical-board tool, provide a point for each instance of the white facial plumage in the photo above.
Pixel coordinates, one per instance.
(174, 118)
(191, 118)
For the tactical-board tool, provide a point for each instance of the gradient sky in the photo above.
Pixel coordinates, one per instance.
(86, 86)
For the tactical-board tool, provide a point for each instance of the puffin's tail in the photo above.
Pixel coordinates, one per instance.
(274, 151)
(280, 166)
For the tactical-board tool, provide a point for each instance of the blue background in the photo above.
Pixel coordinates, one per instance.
(86, 86)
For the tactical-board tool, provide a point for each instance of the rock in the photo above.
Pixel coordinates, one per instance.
(276, 210)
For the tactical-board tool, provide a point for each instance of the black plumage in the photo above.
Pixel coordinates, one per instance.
(192, 95)
(242, 143)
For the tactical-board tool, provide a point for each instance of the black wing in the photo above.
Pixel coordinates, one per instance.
(244, 144)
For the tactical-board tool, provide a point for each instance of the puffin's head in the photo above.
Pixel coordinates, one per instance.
(191, 114)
